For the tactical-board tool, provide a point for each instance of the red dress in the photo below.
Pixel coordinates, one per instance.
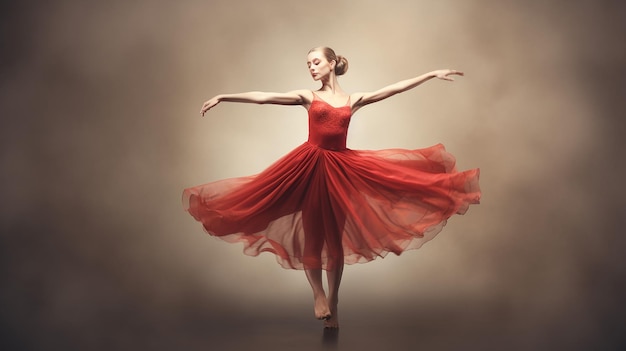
(323, 204)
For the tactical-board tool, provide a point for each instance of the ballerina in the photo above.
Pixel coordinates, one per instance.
(324, 205)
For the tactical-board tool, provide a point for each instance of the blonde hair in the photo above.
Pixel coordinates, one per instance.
(341, 63)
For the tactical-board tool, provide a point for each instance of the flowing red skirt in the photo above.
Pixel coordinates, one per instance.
(317, 208)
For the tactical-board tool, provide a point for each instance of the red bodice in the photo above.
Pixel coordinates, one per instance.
(328, 125)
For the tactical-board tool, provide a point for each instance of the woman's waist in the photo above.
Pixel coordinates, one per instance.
(328, 141)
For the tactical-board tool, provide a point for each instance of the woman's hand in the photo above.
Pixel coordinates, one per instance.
(209, 104)
(445, 74)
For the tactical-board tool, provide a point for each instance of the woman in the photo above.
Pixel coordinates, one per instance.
(323, 205)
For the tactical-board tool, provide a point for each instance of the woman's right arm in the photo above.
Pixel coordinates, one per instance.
(296, 97)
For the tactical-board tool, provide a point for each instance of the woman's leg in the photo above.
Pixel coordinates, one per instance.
(335, 270)
(321, 308)
(334, 280)
(312, 260)
(323, 226)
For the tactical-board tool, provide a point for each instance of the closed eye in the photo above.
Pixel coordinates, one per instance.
(315, 62)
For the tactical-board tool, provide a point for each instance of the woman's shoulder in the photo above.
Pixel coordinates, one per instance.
(357, 96)
(306, 95)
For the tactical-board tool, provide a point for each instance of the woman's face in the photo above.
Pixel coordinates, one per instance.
(319, 67)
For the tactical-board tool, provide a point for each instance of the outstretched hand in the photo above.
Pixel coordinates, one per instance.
(445, 74)
(209, 104)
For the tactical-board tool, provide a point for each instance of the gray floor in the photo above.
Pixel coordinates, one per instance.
(468, 326)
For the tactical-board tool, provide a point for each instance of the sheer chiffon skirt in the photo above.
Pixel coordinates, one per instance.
(317, 208)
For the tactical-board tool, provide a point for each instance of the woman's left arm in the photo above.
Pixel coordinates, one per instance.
(362, 99)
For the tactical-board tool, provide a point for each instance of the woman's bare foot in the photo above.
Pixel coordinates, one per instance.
(322, 311)
(333, 321)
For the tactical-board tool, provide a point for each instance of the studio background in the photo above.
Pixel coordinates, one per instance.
(101, 132)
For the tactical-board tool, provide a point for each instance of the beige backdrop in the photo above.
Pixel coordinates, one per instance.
(101, 132)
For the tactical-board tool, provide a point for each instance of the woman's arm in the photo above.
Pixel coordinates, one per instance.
(296, 97)
(362, 99)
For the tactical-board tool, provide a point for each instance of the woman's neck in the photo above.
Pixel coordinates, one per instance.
(331, 85)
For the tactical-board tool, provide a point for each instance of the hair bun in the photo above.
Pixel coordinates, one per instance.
(342, 65)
